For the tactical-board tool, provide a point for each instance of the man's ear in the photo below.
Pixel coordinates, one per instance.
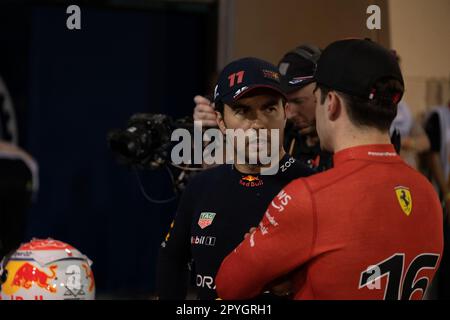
(334, 107)
(287, 110)
(220, 122)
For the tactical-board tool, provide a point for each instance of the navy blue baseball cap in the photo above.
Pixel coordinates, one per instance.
(298, 66)
(244, 75)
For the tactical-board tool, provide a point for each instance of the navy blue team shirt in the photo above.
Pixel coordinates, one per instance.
(216, 209)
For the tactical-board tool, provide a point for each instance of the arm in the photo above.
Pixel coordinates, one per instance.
(174, 254)
(205, 113)
(434, 163)
(433, 131)
(283, 242)
(417, 141)
(11, 151)
(15, 200)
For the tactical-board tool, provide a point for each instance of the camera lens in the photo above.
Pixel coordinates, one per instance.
(125, 144)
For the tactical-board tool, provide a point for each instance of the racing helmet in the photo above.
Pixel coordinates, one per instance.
(46, 269)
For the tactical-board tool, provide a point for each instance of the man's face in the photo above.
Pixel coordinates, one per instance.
(301, 106)
(261, 109)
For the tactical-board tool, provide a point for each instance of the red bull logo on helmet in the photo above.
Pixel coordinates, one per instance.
(47, 270)
(25, 275)
(28, 275)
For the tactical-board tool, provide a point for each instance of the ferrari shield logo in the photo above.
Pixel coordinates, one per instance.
(404, 199)
(206, 218)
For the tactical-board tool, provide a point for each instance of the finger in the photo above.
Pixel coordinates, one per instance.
(210, 123)
(208, 118)
(201, 100)
(204, 123)
(204, 108)
(205, 115)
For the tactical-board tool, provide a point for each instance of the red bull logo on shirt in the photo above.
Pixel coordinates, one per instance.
(251, 181)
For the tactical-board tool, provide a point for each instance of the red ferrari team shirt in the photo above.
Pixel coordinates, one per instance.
(370, 228)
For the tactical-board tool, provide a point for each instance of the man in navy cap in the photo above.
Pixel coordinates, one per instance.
(222, 203)
(297, 68)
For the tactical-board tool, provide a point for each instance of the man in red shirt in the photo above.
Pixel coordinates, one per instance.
(371, 227)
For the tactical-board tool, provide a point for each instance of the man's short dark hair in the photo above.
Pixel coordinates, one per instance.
(219, 106)
(378, 112)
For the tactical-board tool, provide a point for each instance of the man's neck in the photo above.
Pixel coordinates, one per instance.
(255, 168)
(359, 137)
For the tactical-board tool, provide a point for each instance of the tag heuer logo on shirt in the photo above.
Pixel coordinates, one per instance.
(206, 218)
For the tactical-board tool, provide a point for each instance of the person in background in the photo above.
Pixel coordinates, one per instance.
(19, 178)
(437, 128)
(414, 140)
(302, 142)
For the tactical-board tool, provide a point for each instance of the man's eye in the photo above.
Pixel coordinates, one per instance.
(239, 111)
(271, 109)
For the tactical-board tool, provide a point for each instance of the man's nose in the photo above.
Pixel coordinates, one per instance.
(257, 124)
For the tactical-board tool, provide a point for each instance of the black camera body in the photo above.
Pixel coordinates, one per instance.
(146, 142)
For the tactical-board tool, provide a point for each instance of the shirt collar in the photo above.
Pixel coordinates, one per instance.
(371, 152)
(283, 160)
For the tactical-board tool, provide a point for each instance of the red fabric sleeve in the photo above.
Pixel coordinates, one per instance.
(282, 242)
